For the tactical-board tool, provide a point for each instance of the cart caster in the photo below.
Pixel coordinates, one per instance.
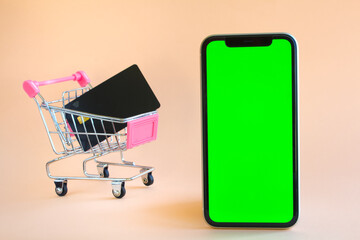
(61, 187)
(118, 189)
(148, 179)
(103, 170)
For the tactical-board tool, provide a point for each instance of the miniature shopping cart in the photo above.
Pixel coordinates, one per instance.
(64, 140)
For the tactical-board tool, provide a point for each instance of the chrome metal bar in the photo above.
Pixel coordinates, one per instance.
(97, 137)
(84, 166)
(102, 124)
(76, 129)
(126, 165)
(87, 135)
(45, 124)
(96, 177)
(110, 119)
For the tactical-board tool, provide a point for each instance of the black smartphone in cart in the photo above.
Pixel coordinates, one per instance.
(250, 130)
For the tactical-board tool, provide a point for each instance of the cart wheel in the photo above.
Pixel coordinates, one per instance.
(148, 180)
(61, 188)
(106, 172)
(119, 193)
(103, 170)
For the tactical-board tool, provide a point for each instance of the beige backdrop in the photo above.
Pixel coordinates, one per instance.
(41, 40)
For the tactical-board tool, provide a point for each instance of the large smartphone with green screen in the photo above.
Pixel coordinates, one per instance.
(250, 130)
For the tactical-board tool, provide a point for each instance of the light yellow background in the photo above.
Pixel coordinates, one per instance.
(41, 40)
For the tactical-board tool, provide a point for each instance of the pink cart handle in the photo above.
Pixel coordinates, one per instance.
(32, 87)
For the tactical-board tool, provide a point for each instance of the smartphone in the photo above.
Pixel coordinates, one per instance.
(250, 130)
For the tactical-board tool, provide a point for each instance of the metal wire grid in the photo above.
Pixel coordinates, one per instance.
(114, 140)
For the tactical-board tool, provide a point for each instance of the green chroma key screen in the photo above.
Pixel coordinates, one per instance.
(250, 167)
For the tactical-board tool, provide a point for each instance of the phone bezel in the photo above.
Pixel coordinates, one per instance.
(295, 131)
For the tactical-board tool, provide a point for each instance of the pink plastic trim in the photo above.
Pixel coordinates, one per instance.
(68, 125)
(142, 130)
(53, 81)
(32, 87)
(82, 78)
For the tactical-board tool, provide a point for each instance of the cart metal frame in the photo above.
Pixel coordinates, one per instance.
(69, 145)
